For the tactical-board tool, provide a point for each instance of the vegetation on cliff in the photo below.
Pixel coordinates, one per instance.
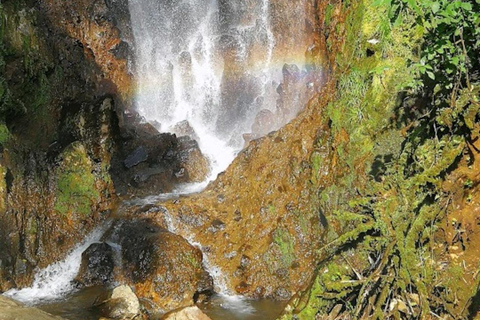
(404, 122)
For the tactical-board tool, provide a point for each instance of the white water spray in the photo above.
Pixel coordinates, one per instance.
(182, 73)
(55, 281)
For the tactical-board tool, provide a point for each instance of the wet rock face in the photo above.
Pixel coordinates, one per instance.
(102, 30)
(56, 195)
(257, 219)
(149, 162)
(97, 265)
(66, 90)
(161, 266)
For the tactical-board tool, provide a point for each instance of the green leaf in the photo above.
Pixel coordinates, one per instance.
(455, 60)
(467, 6)
(431, 75)
(435, 7)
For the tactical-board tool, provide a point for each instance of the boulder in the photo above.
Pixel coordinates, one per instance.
(148, 162)
(188, 313)
(97, 265)
(162, 267)
(192, 160)
(121, 303)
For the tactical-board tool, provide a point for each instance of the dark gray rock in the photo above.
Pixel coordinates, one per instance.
(97, 265)
(138, 156)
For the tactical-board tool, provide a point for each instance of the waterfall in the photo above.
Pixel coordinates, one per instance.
(207, 62)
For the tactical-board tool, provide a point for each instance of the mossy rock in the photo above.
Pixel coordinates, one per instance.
(76, 184)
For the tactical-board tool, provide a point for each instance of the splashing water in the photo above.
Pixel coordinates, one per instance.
(55, 281)
(183, 73)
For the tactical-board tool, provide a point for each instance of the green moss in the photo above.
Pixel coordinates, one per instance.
(4, 134)
(76, 185)
(191, 260)
(328, 14)
(285, 242)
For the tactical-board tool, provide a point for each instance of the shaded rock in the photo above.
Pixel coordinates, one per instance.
(139, 155)
(188, 313)
(149, 162)
(12, 310)
(162, 267)
(97, 265)
(205, 288)
(121, 303)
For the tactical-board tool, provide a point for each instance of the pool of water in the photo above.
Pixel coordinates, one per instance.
(76, 306)
(80, 305)
(222, 307)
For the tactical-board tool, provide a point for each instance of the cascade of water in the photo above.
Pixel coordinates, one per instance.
(219, 278)
(183, 72)
(55, 281)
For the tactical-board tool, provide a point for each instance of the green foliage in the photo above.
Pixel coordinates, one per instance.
(410, 109)
(76, 186)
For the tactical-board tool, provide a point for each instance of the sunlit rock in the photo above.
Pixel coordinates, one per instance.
(188, 313)
(121, 303)
(12, 310)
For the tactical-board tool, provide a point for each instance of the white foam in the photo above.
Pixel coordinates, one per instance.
(237, 304)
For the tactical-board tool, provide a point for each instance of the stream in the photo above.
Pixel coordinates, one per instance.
(54, 291)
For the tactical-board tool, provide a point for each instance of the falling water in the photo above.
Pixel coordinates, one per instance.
(197, 61)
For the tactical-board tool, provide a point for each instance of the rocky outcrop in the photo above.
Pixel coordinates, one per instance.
(55, 196)
(101, 30)
(148, 162)
(11, 310)
(258, 221)
(265, 243)
(58, 116)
